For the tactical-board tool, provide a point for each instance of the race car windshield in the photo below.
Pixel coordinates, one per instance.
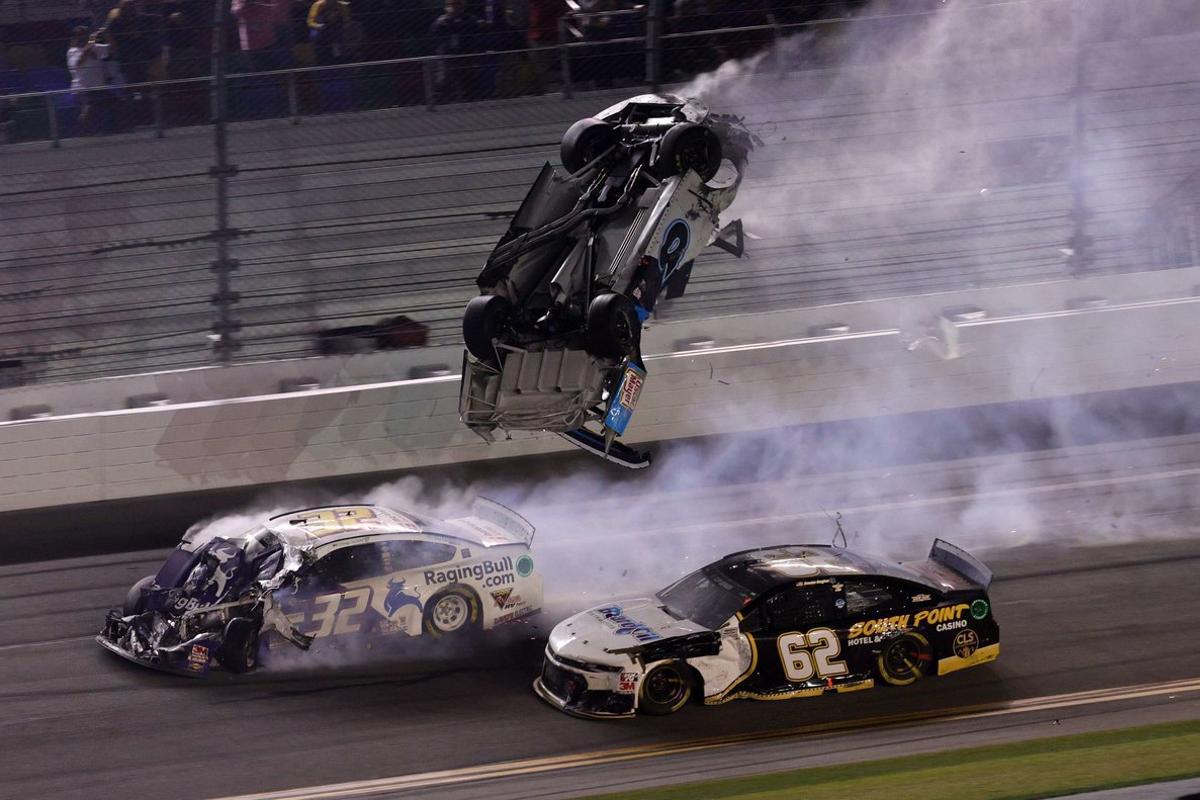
(707, 597)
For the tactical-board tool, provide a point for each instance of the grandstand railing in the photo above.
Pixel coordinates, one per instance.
(572, 48)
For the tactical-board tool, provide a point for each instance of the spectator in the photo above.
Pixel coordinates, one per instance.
(455, 33)
(327, 20)
(284, 40)
(507, 23)
(185, 58)
(543, 16)
(97, 10)
(137, 41)
(86, 59)
(256, 33)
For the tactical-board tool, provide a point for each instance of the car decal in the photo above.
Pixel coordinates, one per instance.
(676, 239)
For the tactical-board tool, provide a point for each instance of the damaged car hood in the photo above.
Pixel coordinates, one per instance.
(604, 634)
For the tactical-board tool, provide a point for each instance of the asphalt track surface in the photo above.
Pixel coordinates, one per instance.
(1096, 550)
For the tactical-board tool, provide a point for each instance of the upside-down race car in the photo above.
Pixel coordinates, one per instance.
(553, 340)
(774, 623)
(330, 571)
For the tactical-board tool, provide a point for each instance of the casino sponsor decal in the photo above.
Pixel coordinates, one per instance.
(490, 573)
(625, 625)
(943, 618)
(966, 643)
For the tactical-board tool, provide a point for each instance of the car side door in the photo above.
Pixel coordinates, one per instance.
(333, 595)
(797, 641)
(873, 609)
(401, 592)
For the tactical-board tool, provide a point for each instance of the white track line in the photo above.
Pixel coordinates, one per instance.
(530, 766)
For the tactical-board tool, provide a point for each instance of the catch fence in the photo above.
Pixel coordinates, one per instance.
(360, 199)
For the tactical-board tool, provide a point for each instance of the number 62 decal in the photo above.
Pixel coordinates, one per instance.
(805, 655)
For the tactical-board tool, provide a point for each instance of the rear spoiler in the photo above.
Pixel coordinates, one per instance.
(497, 524)
(962, 562)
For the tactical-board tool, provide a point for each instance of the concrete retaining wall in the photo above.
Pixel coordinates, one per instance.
(1060, 340)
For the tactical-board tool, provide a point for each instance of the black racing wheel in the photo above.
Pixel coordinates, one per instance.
(689, 146)
(485, 318)
(665, 689)
(452, 612)
(905, 659)
(584, 141)
(238, 652)
(613, 326)
(135, 602)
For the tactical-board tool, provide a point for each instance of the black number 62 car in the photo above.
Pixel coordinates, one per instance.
(772, 623)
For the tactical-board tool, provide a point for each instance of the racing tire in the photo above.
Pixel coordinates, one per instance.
(613, 327)
(238, 652)
(454, 612)
(689, 146)
(135, 602)
(584, 141)
(486, 316)
(665, 689)
(905, 659)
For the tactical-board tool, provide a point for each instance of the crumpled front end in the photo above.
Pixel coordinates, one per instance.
(583, 689)
(150, 639)
(206, 606)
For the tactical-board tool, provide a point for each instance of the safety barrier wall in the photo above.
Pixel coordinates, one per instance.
(936, 354)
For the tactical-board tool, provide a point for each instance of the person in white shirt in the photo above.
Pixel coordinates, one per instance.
(88, 61)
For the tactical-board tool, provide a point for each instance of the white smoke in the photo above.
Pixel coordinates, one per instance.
(930, 143)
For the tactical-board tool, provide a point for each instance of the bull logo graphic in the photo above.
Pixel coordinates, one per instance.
(397, 598)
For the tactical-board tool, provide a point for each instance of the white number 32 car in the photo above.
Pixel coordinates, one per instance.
(326, 572)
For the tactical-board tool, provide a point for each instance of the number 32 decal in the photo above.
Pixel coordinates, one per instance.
(334, 617)
(805, 655)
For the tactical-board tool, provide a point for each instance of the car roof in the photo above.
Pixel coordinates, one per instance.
(780, 564)
(325, 525)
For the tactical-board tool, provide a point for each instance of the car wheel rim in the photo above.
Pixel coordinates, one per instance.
(623, 333)
(903, 659)
(450, 613)
(665, 687)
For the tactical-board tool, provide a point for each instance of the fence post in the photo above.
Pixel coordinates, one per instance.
(225, 327)
(159, 125)
(564, 53)
(1079, 262)
(427, 77)
(654, 44)
(777, 45)
(293, 98)
(52, 114)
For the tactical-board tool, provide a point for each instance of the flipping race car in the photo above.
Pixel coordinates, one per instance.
(326, 572)
(774, 623)
(553, 342)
